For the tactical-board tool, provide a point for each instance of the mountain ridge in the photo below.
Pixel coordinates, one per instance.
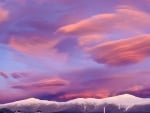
(79, 105)
(114, 98)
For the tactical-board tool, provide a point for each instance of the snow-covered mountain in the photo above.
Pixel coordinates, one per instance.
(125, 102)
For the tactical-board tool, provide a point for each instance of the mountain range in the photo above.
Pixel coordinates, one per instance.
(118, 104)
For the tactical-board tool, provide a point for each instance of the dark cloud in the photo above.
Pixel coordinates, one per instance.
(17, 75)
(3, 74)
(144, 93)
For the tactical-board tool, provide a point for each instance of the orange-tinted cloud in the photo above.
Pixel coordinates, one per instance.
(121, 52)
(124, 18)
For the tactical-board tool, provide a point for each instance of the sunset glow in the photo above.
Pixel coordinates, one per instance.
(66, 49)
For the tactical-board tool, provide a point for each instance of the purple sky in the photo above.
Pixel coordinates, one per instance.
(65, 49)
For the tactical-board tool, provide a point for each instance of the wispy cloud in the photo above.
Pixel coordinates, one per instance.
(50, 86)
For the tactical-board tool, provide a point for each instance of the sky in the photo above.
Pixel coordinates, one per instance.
(66, 49)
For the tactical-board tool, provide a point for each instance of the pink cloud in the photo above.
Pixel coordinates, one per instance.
(3, 74)
(47, 85)
(121, 52)
(4, 14)
(135, 88)
(10, 96)
(108, 79)
(103, 83)
(142, 92)
(37, 47)
(90, 40)
(124, 18)
(86, 94)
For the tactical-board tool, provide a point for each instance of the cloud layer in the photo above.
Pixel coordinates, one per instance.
(66, 49)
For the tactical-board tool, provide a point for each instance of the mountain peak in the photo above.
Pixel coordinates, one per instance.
(25, 101)
(126, 96)
(32, 99)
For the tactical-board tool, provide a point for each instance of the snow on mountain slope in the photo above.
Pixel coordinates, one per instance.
(33, 104)
(125, 99)
(82, 104)
(29, 101)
